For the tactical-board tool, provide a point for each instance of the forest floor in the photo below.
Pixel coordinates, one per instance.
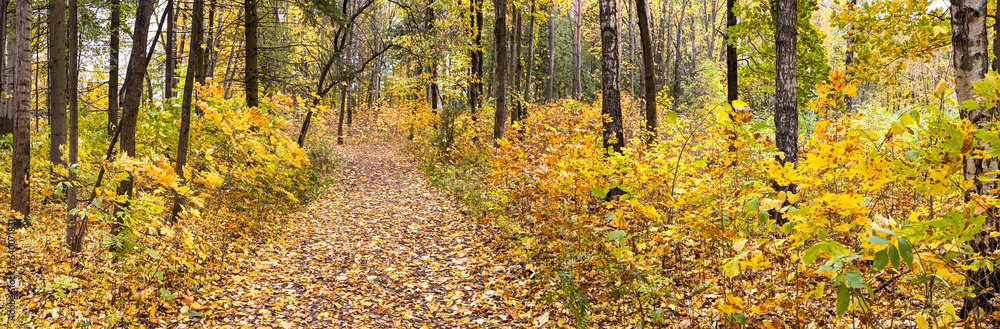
(381, 249)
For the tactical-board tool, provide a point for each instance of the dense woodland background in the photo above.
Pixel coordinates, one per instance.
(671, 163)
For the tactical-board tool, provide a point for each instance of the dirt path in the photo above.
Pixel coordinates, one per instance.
(380, 250)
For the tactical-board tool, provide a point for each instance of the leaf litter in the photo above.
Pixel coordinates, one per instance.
(381, 249)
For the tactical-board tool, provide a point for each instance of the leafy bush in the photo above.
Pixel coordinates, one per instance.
(244, 172)
(878, 227)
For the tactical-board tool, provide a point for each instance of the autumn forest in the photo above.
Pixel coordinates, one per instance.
(502, 164)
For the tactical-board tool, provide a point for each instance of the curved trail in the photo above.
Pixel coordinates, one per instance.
(380, 250)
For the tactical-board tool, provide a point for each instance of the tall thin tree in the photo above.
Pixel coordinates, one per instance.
(20, 193)
(648, 70)
(72, 239)
(6, 115)
(500, 76)
(135, 71)
(432, 88)
(250, 65)
(970, 59)
(614, 137)
(116, 12)
(474, 77)
(517, 97)
(786, 112)
(194, 69)
(577, 50)
(57, 83)
(530, 58)
(552, 53)
(170, 64)
(675, 89)
(732, 78)
(849, 57)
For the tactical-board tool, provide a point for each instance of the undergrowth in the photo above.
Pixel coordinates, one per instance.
(245, 173)
(876, 236)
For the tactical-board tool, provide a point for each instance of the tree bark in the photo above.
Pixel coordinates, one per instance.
(996, 43)
(340, 120)
(6, 115)
(663, 44)
(135, 71)
(207, 70)
(552, 53)
(732, 82)
(73, 240)
(676, 88)
(474, 84)
(611, 103)
(630, 23)
(170, 65)
(20, 104)
(250, 64)
(970, 60)
(648, 70)
(849, 58)
(577, 50)
(350, 107)
(194, 66)
(786, 113)
(517, 97)
(116, 12)
(57, 83)
(529, 76)
(432, 89)
(500, 40)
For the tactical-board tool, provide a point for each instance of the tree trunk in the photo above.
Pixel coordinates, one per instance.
(432, 89)
(116, 12)
(73, 240)
(250, 65)
(663, 44)
(786, 113)
(631, 48)
(648, 70)
(732, 82)
(970, 61)
(130, 110)
(849, 58)
(675, 89)
(340, 120)
(528, 76)
(212, 59)
(474, 58)
(6, 115)
(552, 53)
(170, 65)
(57, 83)
(996, 42)
(195, 61)
(230, 71)
(207, 70)
(611, 105)
(500, 40)
(517, 97)
(20, 104)
(577, 50)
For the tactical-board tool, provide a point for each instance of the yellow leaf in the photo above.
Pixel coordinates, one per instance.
(921, 321)
(740, 104)
(851, 90)
(736, 301)
(942, 86)
(739, 245)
